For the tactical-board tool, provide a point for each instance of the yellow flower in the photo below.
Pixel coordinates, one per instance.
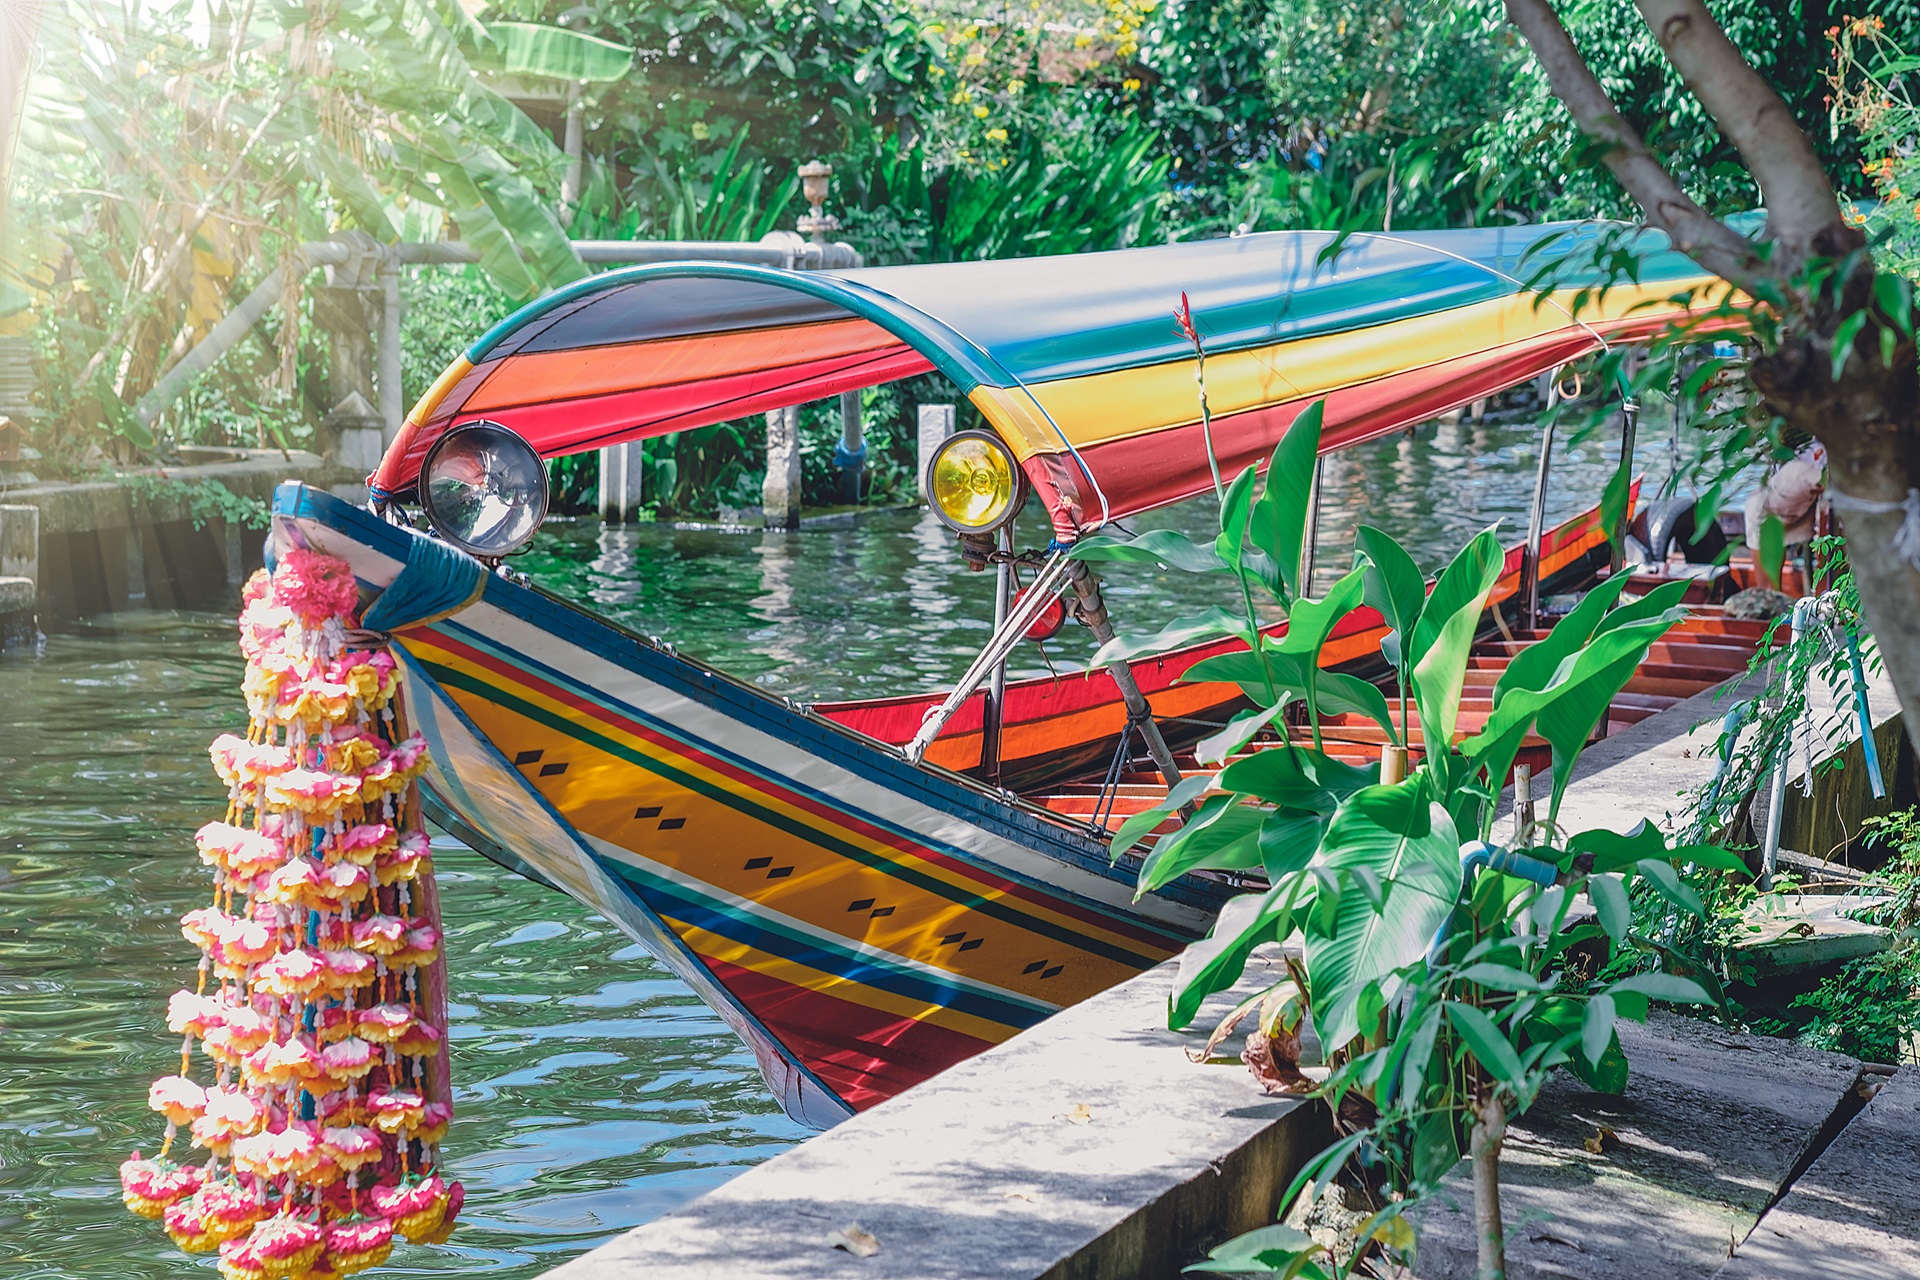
(1131, 84)
(936, 72)
(962, 96)
(996, 135)
(1082, 40)
(700, 130)
(1016, 86)
(980, 113)
(976, 58)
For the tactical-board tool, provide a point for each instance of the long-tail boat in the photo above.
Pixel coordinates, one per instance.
(870, 892)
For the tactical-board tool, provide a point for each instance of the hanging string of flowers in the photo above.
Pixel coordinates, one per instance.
(328, 1096)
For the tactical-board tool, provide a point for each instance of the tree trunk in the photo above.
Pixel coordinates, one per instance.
(1489, 1133)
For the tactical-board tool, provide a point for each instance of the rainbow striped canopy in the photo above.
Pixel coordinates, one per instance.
(1075, 361)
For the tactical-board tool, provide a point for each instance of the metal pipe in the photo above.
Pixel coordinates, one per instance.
(1093, 612)
(393, 406)
(1537, 523)
(994, 718)
(1629, 428)
(1777, 784)
(1045, 587)
(1313, 528)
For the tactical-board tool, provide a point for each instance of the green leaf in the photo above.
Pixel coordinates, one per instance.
(1335, 692)
(1610, 903)
(1156, 546)
(1418, 1055)
(1146, 820)
(1662, 986)
(1667, 882)
(1773, 547)
(1310, 622)
(1223, 836)
(1436, 1150)
(1279, 1236)
(1615, 852)
(1894, 294)
(1289, 839)
(1596, 1029)
(1408, 842)
(1392, 585)
(1843, 339)
(1445, 634)
(1499, 976)
(534, 49)
(1240, 730)
(1210, 624)
(1298, 778)
(1280, 517)
(1216, 961)
(1233, 519)
(1488, 1044)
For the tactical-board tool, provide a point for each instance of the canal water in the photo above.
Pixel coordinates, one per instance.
(594, 1091)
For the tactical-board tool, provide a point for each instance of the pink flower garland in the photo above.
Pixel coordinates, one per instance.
(320, 1124)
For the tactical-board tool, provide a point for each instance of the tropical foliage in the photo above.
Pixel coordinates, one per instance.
(1443, 977)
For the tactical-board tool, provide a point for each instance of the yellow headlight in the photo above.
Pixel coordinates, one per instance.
(973, 483)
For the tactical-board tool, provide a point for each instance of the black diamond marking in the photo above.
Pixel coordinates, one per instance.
(527, 757)
(779, 873)
(861, 905)
(1048, 973)
(953, 937)
(971, 943)
(548, 770)
(650, 811)
(877, 912)
(754, 864)
(672, 824)
(1035, 967)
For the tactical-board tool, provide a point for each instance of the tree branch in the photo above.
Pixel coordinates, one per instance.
(1693, 230)
(1803, 215)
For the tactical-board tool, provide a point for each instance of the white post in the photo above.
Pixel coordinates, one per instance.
(850, 455)
(620, 471)
(780, 493)
(572, 147)
(936, 424)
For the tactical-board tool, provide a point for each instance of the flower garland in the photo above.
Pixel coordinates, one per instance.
(322, 1123)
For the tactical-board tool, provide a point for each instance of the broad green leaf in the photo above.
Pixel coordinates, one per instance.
(1564, 1020)
(1667, 882)
(1298, 778)
(1773, 547)
(1223, 836)
(1534, 666)
(1156, 546)
(1233, 519)
(1613, 851)
(1487, 1043)
(1613, 501)
(1499, 976)
(1280, 517)
(1239, 731)
(1262, 1240)
(1392, 585)
(1445, 634)
(1436, 1149)
(1662, 986)
(1310, 622)
(1210, 624)
(1216, 961)
(534, 49)
(1335, 692)
(1406, 840)
(1610, 903)
(1418, 1054)
(1146, 820)
(1289, 839)
(1596, 1029)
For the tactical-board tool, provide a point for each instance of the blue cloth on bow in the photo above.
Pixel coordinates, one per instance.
(438, 580)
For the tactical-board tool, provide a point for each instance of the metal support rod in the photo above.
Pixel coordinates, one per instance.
(1536, 530)
(1093, 612)
(995, 712)
(1313, 528)
(1629, 427)
(393, 405)
(1803, 612)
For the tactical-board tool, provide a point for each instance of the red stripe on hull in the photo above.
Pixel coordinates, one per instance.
(865, 1055)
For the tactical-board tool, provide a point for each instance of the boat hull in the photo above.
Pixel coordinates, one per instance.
(863, 923)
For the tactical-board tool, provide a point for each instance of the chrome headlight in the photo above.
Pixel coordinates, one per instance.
(484, 488)
(973, 483)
